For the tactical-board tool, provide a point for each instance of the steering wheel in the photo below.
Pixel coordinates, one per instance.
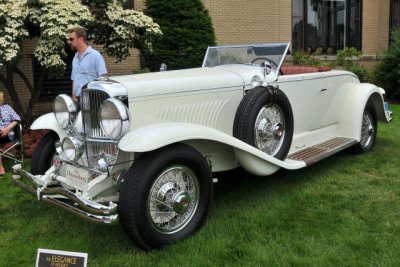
(273, 63)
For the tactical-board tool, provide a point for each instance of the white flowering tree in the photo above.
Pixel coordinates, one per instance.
(117, 29)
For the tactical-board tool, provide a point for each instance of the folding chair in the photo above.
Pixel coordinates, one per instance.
(14, 150)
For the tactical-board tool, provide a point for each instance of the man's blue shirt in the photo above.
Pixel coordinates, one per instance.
(89, 67)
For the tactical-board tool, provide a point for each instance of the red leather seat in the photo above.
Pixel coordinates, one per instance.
(297, 69)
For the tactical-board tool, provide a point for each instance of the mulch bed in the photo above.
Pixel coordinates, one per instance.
(30, 138)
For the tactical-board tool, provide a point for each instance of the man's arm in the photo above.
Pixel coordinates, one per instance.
(74, 98)
(101, 68)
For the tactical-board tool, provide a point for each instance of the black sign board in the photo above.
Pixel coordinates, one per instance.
(59, 258)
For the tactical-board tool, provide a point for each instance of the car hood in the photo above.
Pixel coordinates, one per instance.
(168, 82)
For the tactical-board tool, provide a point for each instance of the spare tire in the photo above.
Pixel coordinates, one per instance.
(264, 119)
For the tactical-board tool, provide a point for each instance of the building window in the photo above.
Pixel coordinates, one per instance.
(325, 26)
(395, 14)
(129, 4)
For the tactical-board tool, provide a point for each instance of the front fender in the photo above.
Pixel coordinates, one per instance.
(155, 136)
(48, 122)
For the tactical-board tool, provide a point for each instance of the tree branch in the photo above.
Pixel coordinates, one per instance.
(11, 90)
(3, 80)
(24, 78)
(35, 93)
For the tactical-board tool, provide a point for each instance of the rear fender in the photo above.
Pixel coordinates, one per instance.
(353, 108)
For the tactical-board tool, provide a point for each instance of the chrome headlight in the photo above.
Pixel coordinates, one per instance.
(114, 118)
(64, 110)
(72, 148)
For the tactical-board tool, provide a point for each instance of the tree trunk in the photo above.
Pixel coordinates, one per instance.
(35, 90)
(9, 83)
(35, 93)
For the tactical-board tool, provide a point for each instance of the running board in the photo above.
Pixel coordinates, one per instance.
(322, 150)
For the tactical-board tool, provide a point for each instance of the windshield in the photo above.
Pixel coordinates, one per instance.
(274, 54)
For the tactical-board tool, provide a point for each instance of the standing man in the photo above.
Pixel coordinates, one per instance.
(88, 63)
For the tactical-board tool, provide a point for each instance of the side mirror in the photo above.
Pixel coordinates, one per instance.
(163, 67)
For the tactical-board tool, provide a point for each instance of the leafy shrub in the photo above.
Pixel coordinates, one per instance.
(360, 71)
(187, 32)
(345, 59)
(140, 70)
(30, 138)
(388, 70)
(303, 58)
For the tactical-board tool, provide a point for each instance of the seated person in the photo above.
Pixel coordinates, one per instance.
(8, 120)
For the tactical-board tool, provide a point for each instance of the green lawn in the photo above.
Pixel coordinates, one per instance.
(342, 211)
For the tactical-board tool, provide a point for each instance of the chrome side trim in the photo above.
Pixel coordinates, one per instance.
(66, 199)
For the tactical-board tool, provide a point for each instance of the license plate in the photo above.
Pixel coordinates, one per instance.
(77, 177)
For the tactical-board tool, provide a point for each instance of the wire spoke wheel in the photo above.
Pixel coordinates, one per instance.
(165, 196)
(173, 199)
(367, 129)
(264, 119)
(269, 129)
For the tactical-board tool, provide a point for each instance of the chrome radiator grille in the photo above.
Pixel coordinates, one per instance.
(96, 141)
(90, 105)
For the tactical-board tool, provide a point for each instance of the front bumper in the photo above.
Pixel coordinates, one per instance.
(65, 199)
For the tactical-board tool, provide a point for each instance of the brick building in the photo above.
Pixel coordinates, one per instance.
(364, 24)
(321, 26)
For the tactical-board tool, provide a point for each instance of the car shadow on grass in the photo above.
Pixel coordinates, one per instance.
(239, 186)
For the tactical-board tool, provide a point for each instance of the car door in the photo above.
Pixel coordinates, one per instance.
(335, 91)
(305, 94)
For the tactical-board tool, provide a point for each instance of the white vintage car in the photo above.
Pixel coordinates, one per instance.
(143, 148)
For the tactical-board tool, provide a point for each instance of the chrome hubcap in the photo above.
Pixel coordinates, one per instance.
(278, 131)
(172, 200)
(181, 202)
